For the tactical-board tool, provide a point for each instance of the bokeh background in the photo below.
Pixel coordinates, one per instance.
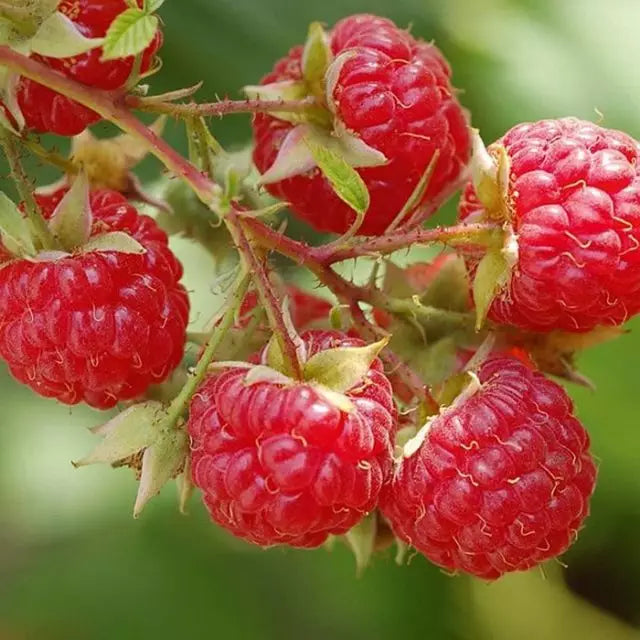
(75, 566)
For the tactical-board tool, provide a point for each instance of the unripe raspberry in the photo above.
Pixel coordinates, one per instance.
(500, 480)
(395, 94)
(280, 463)
(98, 327)
(45, 110)
(573, 200)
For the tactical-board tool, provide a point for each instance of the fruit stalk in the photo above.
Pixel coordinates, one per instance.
(238, 291)
(25, 191)
(220, 108)
(268, 296)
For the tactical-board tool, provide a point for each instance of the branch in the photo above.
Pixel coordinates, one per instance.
(109, 105)
(220, 108)
(179, 403)
(25, 191)
(484, 234)
(268, 296)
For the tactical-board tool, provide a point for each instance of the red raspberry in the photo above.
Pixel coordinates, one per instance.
(502, 480)
(574, 199)
(280, 464)
(395, 94)
(47, 111)
(97, 327)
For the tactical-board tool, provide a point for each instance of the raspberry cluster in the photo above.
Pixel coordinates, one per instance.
(419, 402)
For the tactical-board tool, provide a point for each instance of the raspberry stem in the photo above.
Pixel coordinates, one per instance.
(483, 234)
(110, 106)
(53, 158)
(180, 402)
(220, 108)
(25, 191)
(268, 296)
(345, 290)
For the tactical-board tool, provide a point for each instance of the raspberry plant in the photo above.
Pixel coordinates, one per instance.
(418, 403)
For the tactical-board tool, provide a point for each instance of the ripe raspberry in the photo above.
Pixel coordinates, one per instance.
(280, 464)
(502, 480)
(47, 111)
(97, 327)
(574, 203)
(395, 94)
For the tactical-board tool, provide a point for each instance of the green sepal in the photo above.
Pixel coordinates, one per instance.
(342, 368)
(72, 219)
(361, 539)
(161, 461)
(126, 434)
(316, 58)
(14, 229)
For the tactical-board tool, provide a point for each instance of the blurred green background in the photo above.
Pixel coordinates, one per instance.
(74, 565)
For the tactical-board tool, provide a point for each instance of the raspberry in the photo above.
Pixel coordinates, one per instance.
(97, 327)
(574, 203)
(502, 480)
(395, 94)
(281, 464)
(47, 111)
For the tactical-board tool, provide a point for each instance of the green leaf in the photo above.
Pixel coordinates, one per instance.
(342, 368)
(72, 219)
(58, 37)
(114, 241)
(14, 228)
(344, 179)
(361, 539)
(316, 58)
(151, 6)
(129, 34)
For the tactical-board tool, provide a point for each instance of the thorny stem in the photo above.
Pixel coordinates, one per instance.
(113, 106)
(53, 158)
(485, 234)
(25, 191)
(221, 108)
(267, 294)
(109, 105)
(179, 403)
(346, 290)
